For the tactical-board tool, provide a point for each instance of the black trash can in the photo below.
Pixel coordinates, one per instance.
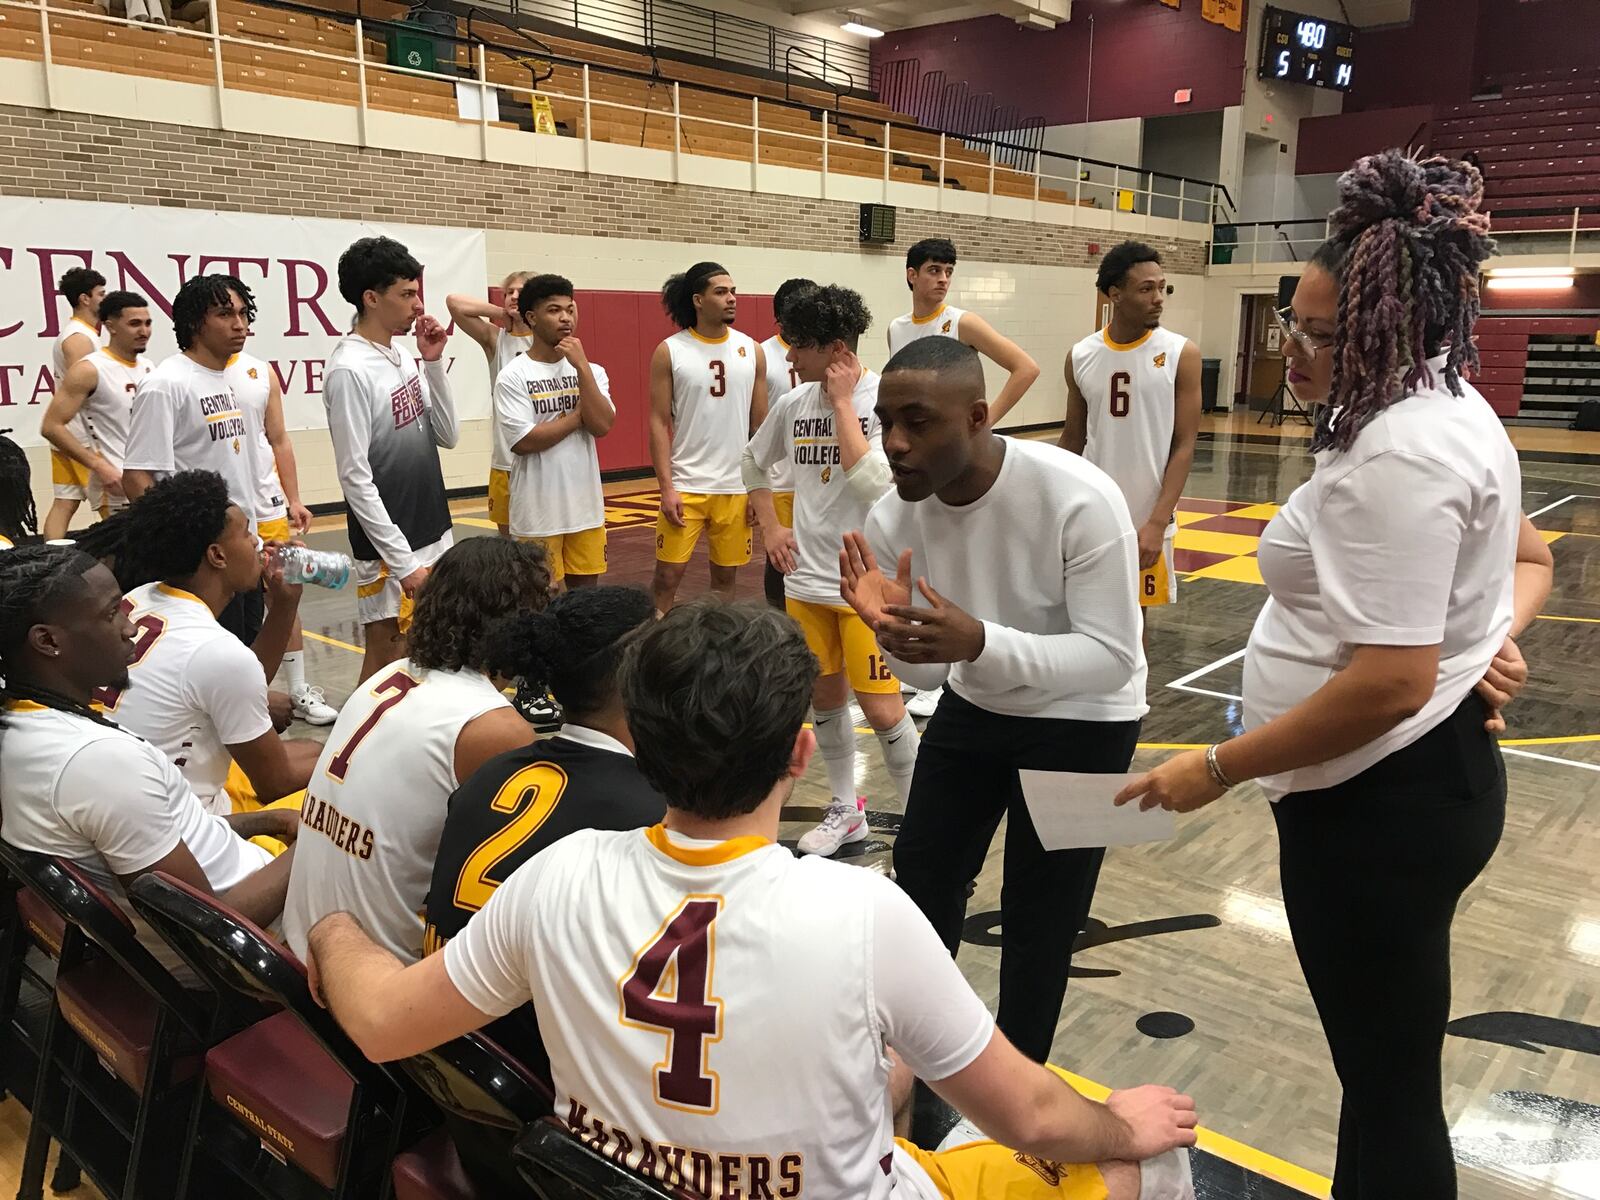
(1210, 372)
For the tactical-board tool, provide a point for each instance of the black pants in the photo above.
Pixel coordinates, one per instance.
(772, 585)
(966, 780)
(1372, 869)
(244, 614)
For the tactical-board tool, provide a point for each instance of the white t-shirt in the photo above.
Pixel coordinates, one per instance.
(944, 321)
(769, 1076)
(800, 431)
(58, 349)
(713, 386)
(1409, 538)
(186, 418)
(105, 414)
(251, 380)
(556, 490)
(111, 803)
(1131, 395)
(507, 347)
(375, 807)
(193, 690)
(1043, 559)
(781, 380)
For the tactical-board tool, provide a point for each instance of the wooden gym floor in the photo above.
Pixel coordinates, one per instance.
(1187, 975)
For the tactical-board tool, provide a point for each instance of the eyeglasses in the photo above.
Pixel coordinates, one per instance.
(1309, 343)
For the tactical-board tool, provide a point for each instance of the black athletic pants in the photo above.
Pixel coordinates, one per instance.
(1372, 869)
(244, 614)
(772, 585)
(966, 780)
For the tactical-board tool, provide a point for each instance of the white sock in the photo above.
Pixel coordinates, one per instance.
(899, 743)
(1166, 1177)
(294, 670)
(836, 738)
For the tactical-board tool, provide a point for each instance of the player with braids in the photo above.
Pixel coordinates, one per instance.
(18, 517)
(1376, 673)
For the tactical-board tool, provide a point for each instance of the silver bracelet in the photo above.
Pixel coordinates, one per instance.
(1218, 776)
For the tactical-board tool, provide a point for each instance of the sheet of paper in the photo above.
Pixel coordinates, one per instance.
(1071, 810)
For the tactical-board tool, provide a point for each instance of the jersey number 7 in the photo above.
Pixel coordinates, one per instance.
(398, 686)
(668, 991)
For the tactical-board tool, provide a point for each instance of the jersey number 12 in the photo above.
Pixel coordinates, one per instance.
(668, 991)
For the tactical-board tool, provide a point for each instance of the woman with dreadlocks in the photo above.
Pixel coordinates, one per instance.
(1399, 575)
(18, 519)
(75, 784)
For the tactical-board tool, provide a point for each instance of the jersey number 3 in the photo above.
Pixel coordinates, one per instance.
(668, 991)
(1120, 397)
(719, 378)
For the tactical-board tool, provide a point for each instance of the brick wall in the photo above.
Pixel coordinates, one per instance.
(119, 160)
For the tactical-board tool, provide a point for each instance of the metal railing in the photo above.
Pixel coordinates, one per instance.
(819, 76)
(890, 151)
(1262, 243)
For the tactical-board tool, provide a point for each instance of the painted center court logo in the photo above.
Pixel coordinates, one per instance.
(1161, 359)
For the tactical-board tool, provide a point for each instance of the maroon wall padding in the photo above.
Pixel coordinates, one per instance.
(1535, 35)
(1332, 143)
(620, 331)
(1143, 53)
(1503, 344)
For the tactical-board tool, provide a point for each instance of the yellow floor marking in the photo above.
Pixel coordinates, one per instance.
(317, 637)
(1579, 620)
(1552, 741)
(1259, 512)
(1235, 570)
(1216, 543)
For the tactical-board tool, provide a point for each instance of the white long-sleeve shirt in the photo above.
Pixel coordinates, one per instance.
(387, 422)
(1046, 559)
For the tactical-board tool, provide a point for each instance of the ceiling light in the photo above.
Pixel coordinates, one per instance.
(1512, 272)
(861, 29)
(1529, 283)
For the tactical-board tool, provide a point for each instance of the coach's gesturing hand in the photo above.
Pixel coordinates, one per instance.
(940, 633)
(864, 587)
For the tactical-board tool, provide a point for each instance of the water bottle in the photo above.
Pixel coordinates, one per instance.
(325, 568)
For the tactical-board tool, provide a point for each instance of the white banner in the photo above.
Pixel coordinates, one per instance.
(289, 263)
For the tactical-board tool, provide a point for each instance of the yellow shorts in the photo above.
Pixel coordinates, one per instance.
(69, 477)
(500, 497)
(580, 553)
(243, 794)
(842, 642)
(730, 530)
(1159, 585)
(784, 503)
(990, 1171)
(275, 530)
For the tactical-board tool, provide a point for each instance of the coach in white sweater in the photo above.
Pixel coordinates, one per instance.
(1010, 564)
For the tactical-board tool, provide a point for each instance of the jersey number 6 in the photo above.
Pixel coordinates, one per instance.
(1120, 399)
(678, 1002)
(719, 374)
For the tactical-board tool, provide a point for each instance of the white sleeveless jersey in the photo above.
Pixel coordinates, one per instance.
(716, 1012)
(248, 376)
(58, 365)
(781, 380)
(105, 413)
(375, 807)
(506, 348)
(713, 384)
(944, 322)
(1131, 394)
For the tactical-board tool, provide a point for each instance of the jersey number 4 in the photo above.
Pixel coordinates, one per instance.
(719, 378)
(1120, 396)
(668, 991)
(532, 795)
(147, 631)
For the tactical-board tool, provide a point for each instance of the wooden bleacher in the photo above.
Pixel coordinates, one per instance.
(301, 54)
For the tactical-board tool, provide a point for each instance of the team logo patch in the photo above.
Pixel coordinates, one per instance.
(741, 351)
(1051, 1172)
(827, 474)
(1161, 359)
(253, 373)
(945, 328)
(236, 445)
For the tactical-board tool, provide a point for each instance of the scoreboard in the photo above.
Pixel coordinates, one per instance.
(1300, 49)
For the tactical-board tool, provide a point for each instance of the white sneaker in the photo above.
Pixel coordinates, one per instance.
(923, 703)
(844, 822)
(310, 706)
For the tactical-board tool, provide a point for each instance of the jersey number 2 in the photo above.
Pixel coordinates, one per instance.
(398, 686)
(147, 631)
(532, 794)
(719, 378)
(1120, 398)
(668, 990)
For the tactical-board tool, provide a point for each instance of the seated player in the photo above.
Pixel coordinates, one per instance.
(719, 1013)
(19, 519)
(405, 741)
(196, 692)
(827, 431)
(551, 404)
(73, 783)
